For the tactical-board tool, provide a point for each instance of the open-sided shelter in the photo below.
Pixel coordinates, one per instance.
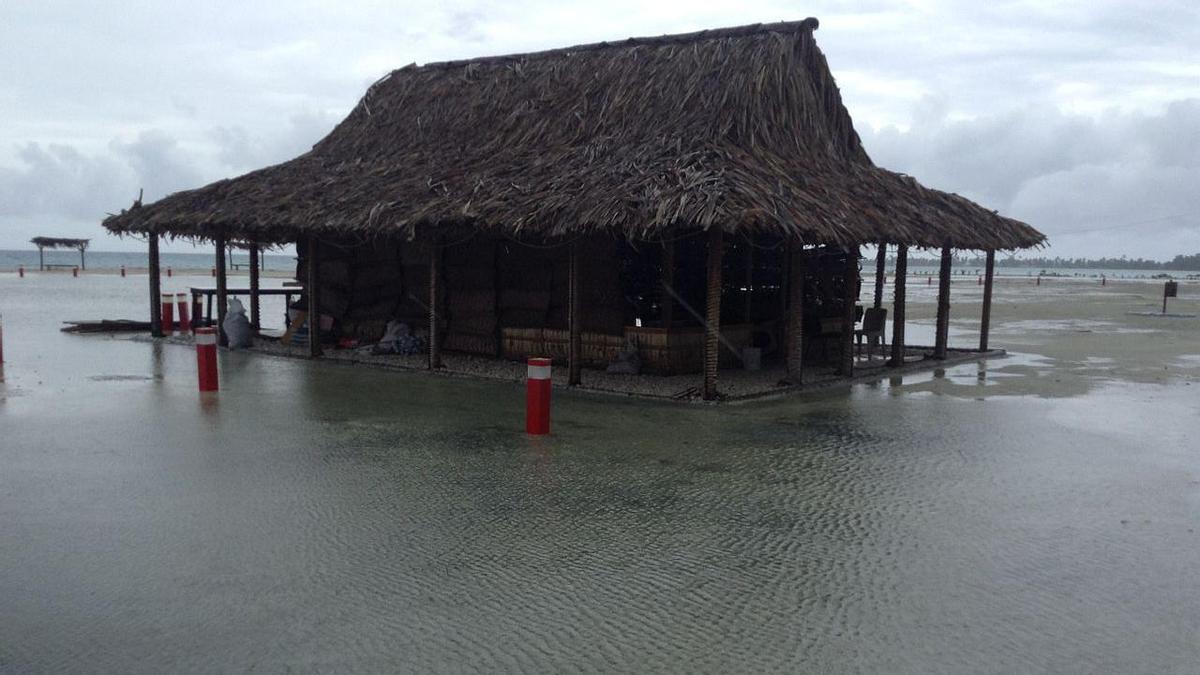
(708, 186)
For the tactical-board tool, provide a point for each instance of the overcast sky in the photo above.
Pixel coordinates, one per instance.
(1081, 118)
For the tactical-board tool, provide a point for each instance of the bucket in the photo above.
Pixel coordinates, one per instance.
(752, 358)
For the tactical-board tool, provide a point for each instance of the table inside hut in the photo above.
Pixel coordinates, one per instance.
(208, 294)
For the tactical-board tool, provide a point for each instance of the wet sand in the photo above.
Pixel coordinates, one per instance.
(1037, 512)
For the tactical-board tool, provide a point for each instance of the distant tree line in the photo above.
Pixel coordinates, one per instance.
(1189, 263)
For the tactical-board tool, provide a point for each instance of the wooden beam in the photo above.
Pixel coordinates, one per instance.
(943, 307)
(222, 291)
(748, 311)
(795, 313)
(155, 288)
(900, 275)
(985, 322)
(254, 300)
(435, 343)
(849, 312)
(574, 320)
(880, 271)
(668, 284)
(712, 311)
(313, 286)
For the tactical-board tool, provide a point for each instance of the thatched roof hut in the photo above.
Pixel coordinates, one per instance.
(742, 129)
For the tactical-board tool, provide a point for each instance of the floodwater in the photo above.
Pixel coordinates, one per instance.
(1038, 513)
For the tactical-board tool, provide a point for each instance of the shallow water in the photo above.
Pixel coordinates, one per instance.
(1032, 513)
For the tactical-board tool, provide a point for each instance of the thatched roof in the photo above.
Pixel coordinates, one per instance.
(59, 242)
(740, 128)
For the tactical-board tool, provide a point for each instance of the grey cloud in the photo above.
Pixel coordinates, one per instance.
(1084, 181)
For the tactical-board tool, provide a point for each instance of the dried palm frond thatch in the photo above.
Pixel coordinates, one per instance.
(741, 128)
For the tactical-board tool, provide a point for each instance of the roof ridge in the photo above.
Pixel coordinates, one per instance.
(809, 24)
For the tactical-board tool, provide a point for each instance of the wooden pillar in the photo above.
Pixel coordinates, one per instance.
(748, 311)
(254, 300)
(82, 258)
(943, 306)
(985, 322)
(435, 342)
(880, 270)
(313, 286)
(795, 313)
(222, 291)
(668, 284)
(712, 311)
(42, 253)
(849, 307)
(901, 278)
(575, 338)
(155, 288)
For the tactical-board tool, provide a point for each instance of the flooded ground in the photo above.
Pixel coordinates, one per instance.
(1034, 513)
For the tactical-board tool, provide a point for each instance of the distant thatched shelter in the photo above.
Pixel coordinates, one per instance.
(43, 243)
(586, 189)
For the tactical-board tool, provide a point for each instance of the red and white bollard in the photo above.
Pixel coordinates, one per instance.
(185, 321)
(537, 397)
(206, 359)
(168, 313)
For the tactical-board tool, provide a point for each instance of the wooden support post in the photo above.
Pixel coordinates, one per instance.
(985, 321)
(574, 319)
(313, 286)
(795, 313)
(155, 288)
(849, 312)
(748, 313)
(435, 343)
(497, 284)
(880, 271)
(222, 291)
(943, 307)
(82, 258)
(668, 284)
(901, 277)
(712, 311)
(42, 256)
(254, 300)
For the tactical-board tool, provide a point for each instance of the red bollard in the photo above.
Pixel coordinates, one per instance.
(75, 272)
(537, 397)
(21, 271)
(122, 271)
(206, 359)
(185, 321)
(168, 313)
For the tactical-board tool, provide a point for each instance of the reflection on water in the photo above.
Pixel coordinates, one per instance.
(314, 516)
